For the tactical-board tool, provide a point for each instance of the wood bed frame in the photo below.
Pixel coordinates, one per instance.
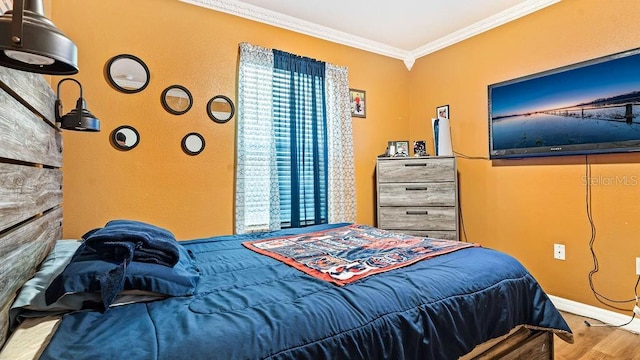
(31, 204)
(30, 181)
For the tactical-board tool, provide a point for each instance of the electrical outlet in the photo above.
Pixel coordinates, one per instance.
(558, 251)
(638, 266)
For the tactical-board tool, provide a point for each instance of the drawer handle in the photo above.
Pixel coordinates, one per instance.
(409, 212)
(413, 164)
(416, 188)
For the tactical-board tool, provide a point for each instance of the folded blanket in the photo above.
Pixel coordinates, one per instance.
(124, 241)
(134, 241)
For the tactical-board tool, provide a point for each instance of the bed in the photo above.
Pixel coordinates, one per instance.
(471, 303)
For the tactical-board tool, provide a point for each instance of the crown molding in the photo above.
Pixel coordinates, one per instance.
(269, 17)
(255, 13)
(479, 27)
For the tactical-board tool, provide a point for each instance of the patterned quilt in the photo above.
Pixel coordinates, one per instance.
(346, 254)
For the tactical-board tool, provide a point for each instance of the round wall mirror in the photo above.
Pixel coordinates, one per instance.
(125, 138)
(127, 73)
(176, 99)
(220, 109)
(193, 143)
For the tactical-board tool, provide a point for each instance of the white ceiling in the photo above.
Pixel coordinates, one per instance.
(402, 29)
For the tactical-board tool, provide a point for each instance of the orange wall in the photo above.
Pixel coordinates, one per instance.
(523, 207)
(197, 48)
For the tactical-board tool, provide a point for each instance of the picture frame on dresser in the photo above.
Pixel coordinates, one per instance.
(420, 148)
(398, 148)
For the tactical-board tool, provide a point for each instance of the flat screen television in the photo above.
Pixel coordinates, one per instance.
(586, 108)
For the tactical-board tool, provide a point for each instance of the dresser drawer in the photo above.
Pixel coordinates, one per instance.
(417, 218)
(417, 194)
(436, 234)
(416, 170)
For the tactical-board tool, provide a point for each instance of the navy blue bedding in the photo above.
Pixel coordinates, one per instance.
(250, 306)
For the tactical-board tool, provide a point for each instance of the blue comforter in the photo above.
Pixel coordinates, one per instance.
(250, 306)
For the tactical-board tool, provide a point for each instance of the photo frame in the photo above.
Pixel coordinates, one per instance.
(420, 148)
(358, 103)
(442, 112)
(398, 148)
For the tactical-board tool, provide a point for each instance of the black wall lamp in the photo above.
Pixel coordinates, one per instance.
(31, 42)
(79, 118)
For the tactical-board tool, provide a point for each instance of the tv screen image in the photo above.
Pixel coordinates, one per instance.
(586, 108)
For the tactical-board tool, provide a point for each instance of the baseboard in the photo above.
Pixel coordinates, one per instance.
(604, 316)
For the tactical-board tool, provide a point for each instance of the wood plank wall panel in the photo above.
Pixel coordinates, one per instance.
(26, 191)
(25, 137)
(30, 181)
(30, 89)
(23, 249)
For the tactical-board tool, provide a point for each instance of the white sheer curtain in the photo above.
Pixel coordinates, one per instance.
(342, 187)
(257, 194)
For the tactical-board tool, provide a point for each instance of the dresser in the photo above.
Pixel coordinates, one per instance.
(418, 196)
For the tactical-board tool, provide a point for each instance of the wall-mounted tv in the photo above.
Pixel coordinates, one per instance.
(586, 108)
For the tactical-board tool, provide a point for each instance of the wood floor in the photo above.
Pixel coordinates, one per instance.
(596, 343)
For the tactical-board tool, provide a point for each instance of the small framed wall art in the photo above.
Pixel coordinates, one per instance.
(442, 112)
(358, 103)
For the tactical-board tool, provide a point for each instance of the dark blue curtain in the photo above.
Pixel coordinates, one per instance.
(301, 145)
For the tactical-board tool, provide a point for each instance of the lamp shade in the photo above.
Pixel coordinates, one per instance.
(79, 118)
(31, 42)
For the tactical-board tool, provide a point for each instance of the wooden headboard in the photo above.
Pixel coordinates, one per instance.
(30, 181)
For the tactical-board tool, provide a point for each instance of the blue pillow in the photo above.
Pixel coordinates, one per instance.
(83, 275)
(30, 302)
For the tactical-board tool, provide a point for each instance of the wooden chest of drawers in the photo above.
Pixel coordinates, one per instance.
(418, 196)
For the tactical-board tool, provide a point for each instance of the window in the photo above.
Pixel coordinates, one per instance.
(285, 117)
(299, 125)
